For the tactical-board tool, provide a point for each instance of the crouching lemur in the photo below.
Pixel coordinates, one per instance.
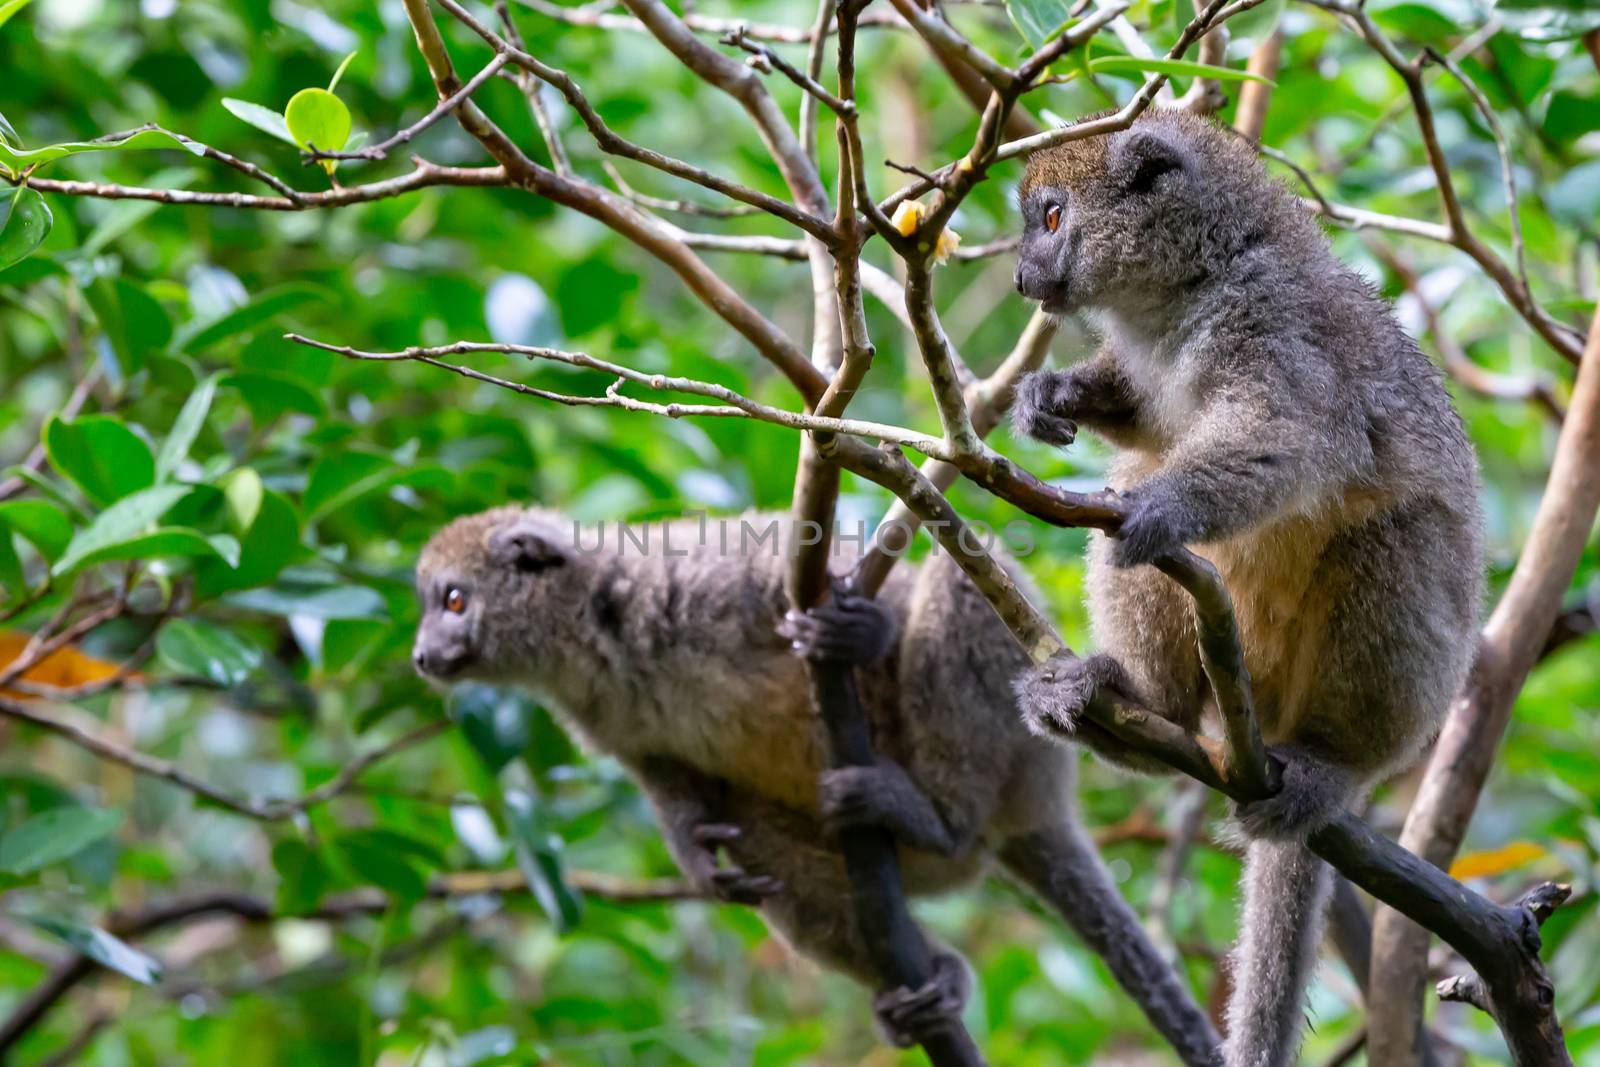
(1267, 411)
(680, 662)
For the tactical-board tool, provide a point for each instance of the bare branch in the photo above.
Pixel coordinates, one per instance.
(609, 141)
(1251, 117)
(1457, 363)
(709, 25)
(424, 175)
(1509, 646)
(734, 404)
(1565, 340)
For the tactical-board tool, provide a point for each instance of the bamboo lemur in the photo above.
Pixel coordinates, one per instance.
(680, 662)
(1268, 411)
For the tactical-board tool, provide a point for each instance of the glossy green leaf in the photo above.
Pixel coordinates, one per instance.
(144, 140)
(25, 222)
(164, 541)
(262, 118)
(271, 544)
(317, 119)
(100, 455)
(315, 601)
(207, 650)
(12, 578)
(1038, 20)
(496, 722)
(40, 523)
(7, 9)
(539, 859)
(185, 428)
(54, 835)
(105, 949)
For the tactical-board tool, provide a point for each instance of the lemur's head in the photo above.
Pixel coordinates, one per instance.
(490, 584)
(1128, 220)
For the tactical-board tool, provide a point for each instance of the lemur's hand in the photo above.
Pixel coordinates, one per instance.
(1041, 407)
(846, 629)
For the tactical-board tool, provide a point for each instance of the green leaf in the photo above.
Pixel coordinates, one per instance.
(1038, 20)
(339, 478)
(126, 518)
(272, 542)
(1548, 20)
(262, 118)
(103, 948)
(7, 9)
(42, 524)
(303, 877)
(1178, 67)
(144, 140)
(158, 543)
(539, 860)
(497, 723)
(25, 221)
(54, 835)
(242, 491)
(185, 428)
(339, 73)
(317, 119)
(264, 308)
(372, 855)
(316, 601)
(11, 576)
(134, 323)
(207, 650)
(100, 455)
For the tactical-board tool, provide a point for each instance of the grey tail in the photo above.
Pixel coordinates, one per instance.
(1286, 892)
(1064, 869)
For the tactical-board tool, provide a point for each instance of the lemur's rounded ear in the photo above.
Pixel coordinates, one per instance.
(1142, 155)
(527, 547)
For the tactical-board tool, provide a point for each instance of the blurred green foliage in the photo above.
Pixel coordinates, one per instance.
(264, 503)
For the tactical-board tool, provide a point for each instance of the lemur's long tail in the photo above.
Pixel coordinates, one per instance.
(1065, 870)
(1286, 892)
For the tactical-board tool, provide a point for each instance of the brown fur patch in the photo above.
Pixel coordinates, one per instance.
(463, 540)
(1074, 163)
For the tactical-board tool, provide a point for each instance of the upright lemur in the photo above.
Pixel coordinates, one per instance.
(1268, 412)
(678, 659)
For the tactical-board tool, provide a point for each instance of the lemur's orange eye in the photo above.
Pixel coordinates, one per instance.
(1052, 217)
(455, 602)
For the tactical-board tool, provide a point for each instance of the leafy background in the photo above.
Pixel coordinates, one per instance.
(265, 502)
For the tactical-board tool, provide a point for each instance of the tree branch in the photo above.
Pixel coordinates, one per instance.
(1509, 646)
(249, 908)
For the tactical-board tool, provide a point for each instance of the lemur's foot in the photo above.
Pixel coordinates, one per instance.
(1054, 695)
(908, 1017)
(847, 629)
(1038, 410)
(729, 884)
(1312, 792)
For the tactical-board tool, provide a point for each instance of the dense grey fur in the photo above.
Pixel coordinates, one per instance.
(1268, 412)
(673, 664)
